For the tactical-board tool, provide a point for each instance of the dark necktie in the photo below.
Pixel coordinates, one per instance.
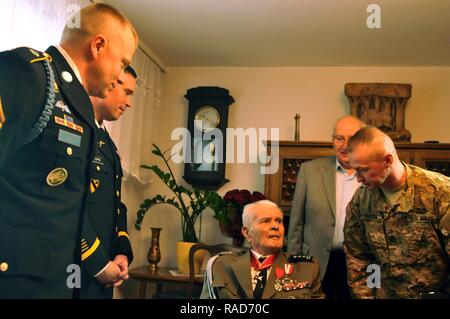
(261, 281)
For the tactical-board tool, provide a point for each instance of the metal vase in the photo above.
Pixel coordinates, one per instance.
(154, 253)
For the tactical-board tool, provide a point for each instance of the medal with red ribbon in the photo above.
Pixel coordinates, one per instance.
(288, 268)
(279, 272)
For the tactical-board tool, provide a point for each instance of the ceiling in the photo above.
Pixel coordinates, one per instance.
(292, 32)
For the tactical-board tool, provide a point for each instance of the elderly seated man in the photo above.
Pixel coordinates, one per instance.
(263, 271)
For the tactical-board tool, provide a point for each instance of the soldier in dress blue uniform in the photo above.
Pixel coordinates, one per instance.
(47, 141)
(107, 214)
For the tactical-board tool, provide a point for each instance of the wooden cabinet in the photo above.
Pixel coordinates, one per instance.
(280, 186)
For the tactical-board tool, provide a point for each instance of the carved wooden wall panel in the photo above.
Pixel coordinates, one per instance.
(381, 105)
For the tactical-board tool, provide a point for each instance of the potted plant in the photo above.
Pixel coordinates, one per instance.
(189, 203)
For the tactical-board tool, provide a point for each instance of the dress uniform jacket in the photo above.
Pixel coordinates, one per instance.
(409, 240)
(231, 278)
(43, 183)
(108, 216)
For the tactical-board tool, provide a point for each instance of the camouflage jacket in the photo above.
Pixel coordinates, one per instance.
(409, 241)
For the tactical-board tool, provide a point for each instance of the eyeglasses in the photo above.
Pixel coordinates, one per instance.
(339, 139)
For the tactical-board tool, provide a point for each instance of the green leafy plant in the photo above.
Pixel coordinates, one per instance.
(190, 203)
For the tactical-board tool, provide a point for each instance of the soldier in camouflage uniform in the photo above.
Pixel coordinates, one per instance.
(399, 220)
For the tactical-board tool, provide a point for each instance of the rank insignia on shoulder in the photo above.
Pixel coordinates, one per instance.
(40, 56)
(300, 258)
(2, 114)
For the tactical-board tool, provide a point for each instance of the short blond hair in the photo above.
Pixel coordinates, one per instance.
(92, 22)
(379, 142)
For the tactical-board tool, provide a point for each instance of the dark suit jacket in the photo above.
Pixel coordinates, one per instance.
(107, 214)
(232, 278)
(313, 214)
(39, 220)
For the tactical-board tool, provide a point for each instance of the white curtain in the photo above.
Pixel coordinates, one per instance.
(132, 133)
(34, 23)
(39, 24)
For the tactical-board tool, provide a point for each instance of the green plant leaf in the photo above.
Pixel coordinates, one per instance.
(166, 178)
(157, 150)
(189, 203)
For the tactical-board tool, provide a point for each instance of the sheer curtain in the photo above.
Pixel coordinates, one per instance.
(132, 133)
(39, 23)
(35, 23)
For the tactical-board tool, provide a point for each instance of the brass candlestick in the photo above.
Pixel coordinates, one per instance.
(154, 254)
(297, 127)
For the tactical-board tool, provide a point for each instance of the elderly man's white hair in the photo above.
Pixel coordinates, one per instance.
(247, 216)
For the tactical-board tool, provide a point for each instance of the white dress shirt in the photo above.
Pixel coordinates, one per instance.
(71, 63)
(346, 185)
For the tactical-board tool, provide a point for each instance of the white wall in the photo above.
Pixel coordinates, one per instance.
(270, 97)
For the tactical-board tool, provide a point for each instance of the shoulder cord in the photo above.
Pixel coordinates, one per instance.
(48, 106)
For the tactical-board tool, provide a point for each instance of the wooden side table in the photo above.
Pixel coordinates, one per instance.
(162, 276)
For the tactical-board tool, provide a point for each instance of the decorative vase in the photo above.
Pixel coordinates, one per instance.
(183, 257)
(154, 253)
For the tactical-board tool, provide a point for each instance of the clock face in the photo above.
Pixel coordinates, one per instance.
(209, 118)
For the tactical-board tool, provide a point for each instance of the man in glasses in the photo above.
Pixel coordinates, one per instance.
(324, 188)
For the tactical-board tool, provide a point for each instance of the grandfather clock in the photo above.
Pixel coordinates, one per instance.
(207, 125)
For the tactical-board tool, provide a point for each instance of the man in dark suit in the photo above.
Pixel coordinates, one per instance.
(107, 214)
(263, 271)
(324, 187)
(47, 140)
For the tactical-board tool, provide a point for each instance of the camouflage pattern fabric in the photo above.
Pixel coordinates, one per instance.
(408, 240)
